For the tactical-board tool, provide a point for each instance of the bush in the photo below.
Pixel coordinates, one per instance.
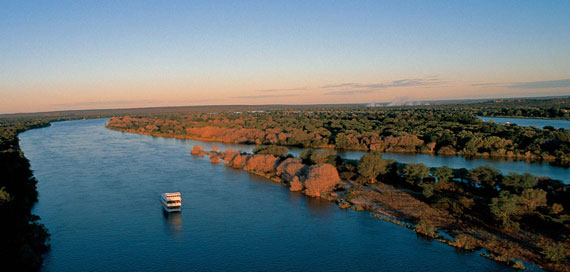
(554, 253)
(427, 189)
(443, 173)
(416, 172)
(465, 241)
(426, 229)
(275, 150)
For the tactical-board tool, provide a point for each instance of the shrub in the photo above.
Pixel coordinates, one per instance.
(426, 229)
(554, 253)
(465, 241)
(275, 150)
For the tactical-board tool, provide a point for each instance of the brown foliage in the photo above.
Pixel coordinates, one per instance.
(295, 185)
(321, 178)
(261, 164)
(238, 161)
(290, 168)
(197, 150)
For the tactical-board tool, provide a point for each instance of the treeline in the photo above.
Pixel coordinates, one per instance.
(24, 240)
(556, 108)
(443, 129)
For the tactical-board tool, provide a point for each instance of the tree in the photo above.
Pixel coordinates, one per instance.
(533, 198)
(516, 182)
(371, 165)
(427, 189)
(443, 173)
(416, 172)
(324, 156)
(554, 253)
(306, 155)
(486, 176)
(275, 150)
(504, 208)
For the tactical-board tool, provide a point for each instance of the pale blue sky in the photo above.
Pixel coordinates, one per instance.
(100, 54)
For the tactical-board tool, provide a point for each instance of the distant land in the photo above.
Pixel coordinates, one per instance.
(396, 102)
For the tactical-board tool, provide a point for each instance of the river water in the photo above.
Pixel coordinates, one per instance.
(528, 122)
(505, 166)
(99, 197)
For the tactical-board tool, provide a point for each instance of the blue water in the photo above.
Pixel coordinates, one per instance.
(527, 122)
(504, 166)
(99, 197)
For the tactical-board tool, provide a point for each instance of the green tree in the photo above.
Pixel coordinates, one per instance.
(486, 176)
(443, 173)
(427, 189)
(517, 182)
(504, 208)
(416, 172)
(533, 198)
(371, 165)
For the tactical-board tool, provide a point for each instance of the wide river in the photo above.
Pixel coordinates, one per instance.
(99, 197)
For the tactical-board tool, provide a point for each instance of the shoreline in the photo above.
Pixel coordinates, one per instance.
(519, 158)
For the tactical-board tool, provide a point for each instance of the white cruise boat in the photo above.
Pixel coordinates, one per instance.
(171, 202)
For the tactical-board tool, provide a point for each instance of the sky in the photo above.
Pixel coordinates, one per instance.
(62, 55)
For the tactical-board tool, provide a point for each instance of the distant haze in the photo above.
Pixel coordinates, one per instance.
(58, 55)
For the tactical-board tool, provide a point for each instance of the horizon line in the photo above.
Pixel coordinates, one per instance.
(8, 114)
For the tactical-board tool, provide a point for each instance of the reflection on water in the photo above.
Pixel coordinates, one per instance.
(318, 206)
(173, 223)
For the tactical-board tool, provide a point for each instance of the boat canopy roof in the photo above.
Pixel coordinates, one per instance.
(171, 195)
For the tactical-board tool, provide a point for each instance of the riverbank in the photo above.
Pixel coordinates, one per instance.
(397, 144)
(24, 239)
(402, 205)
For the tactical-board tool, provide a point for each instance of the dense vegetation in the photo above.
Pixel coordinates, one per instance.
(24, 240)
(438, 129)
(525, 108)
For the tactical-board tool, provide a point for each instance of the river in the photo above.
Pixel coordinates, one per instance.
(528, 122)
(99, 197)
